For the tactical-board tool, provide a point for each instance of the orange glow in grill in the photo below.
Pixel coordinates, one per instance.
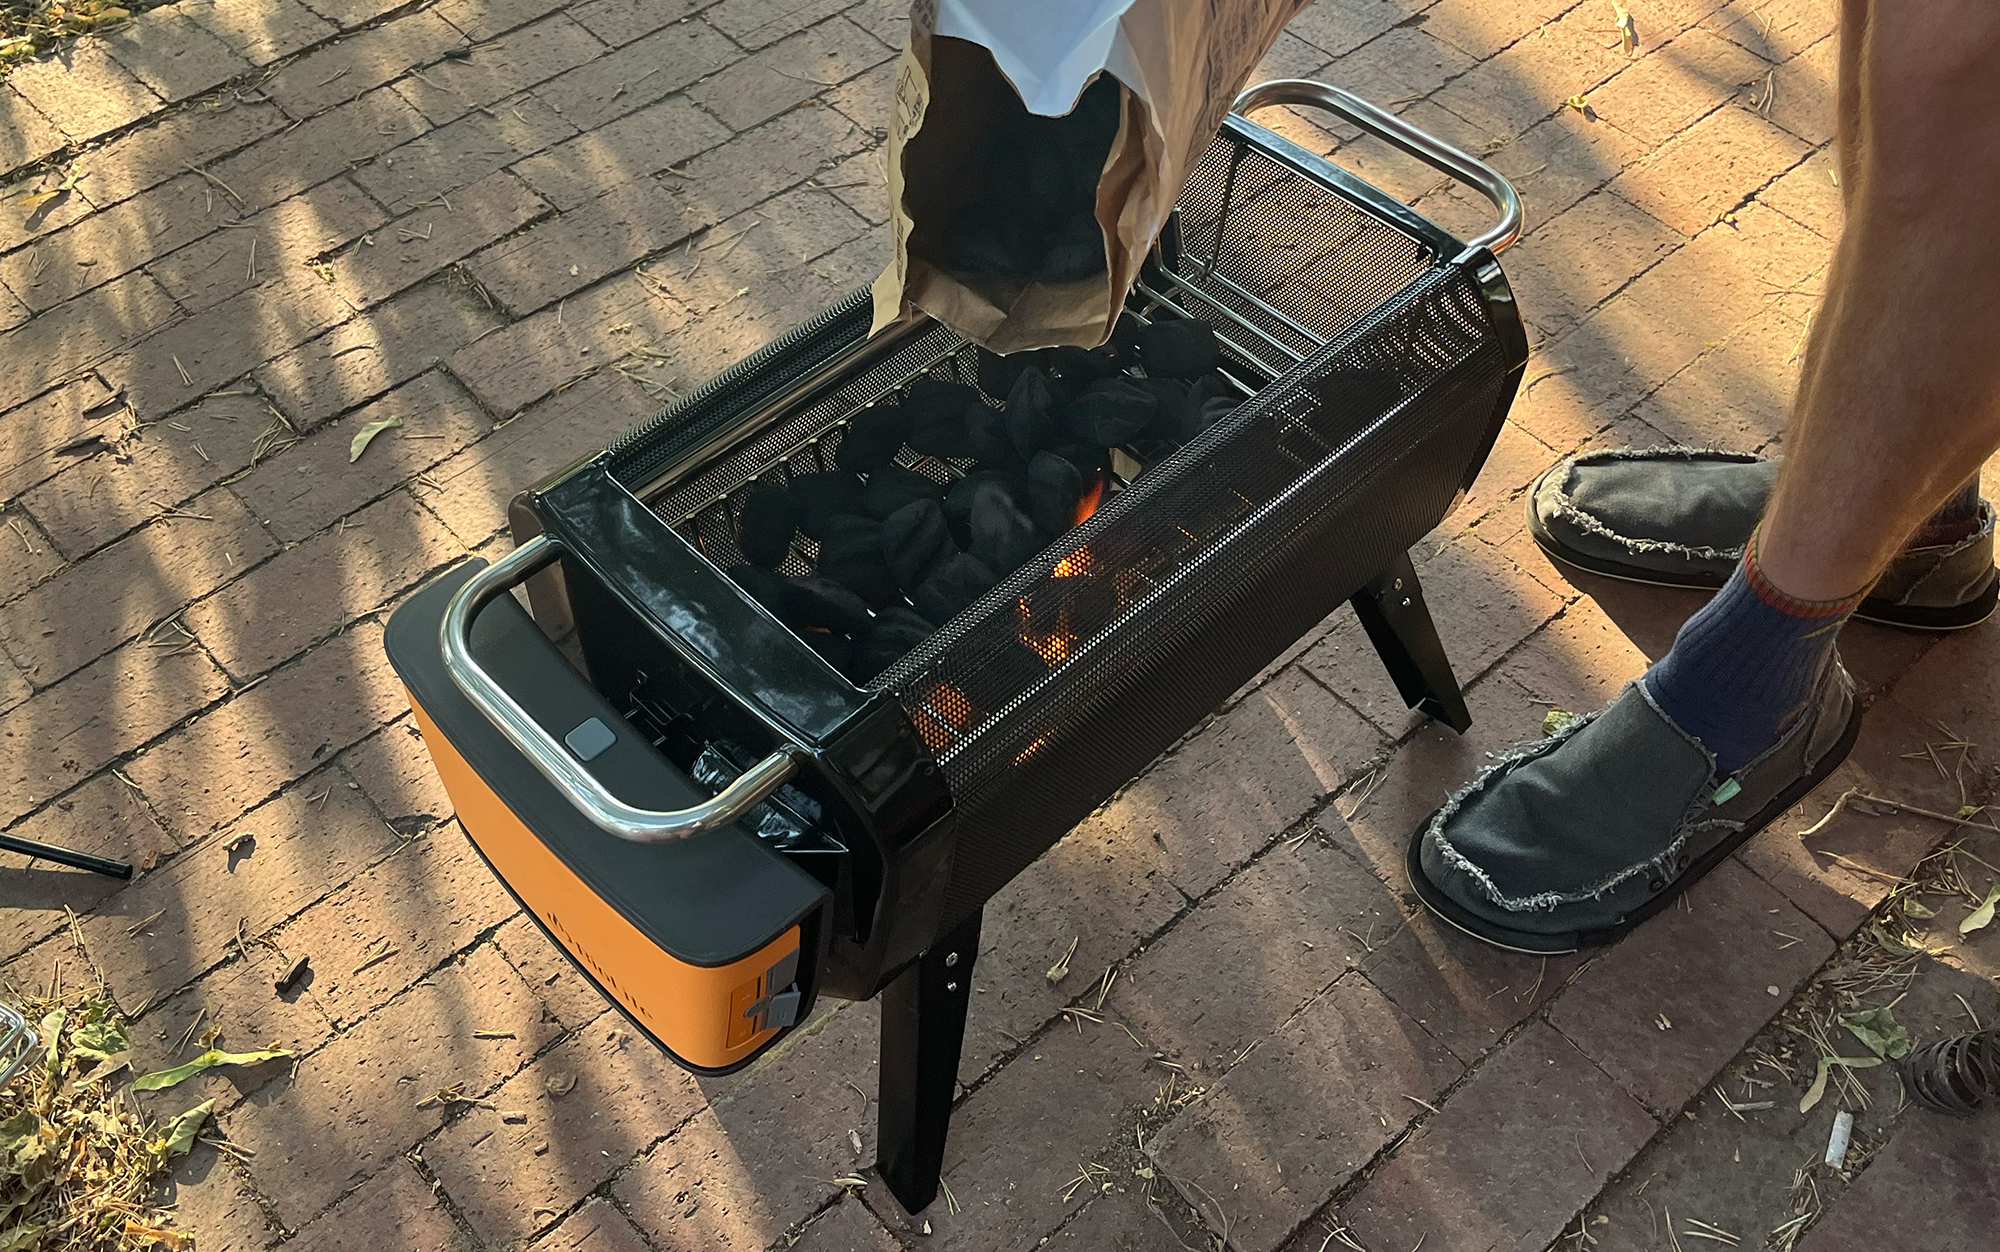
(1091, 499)
(1051, 645)
(1075, 564)
(942, 715)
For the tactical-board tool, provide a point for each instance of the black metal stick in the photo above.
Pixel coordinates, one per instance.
(66, 856)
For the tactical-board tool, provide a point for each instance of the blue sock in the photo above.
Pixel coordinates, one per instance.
(1744, 668)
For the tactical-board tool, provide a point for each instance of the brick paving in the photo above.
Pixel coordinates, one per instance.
(518, 225)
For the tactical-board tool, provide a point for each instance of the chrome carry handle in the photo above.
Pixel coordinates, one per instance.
(1399, 134)
(18, 1043)
(576, 784)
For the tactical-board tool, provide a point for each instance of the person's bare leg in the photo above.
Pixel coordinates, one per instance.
(1903, 399)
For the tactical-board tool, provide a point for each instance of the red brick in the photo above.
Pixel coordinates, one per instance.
(352, 1107)
(38, 559)
(887, 20)
(25, 135)
(1703, 966)
(760, 163)
(850, 1227)
(1935, 1177)
(238, 1005)
(1118, 1220)
(568, 995)
(426, 902)
(596, 1227)
(209, 1194)
(314, 151)
(483, 19)
(321, 585)
(1737, 395)
(568, 253)
(1491, 1171)
(1485, 27)
(1809, 195)
(422, 242)
(493, 72)
(462, 153)
(299, 852)
(219, 765)
(104, 817)
(1484, 604)
(1398, 66)
(754, 23)
(638, 74)
(83, 90)
(314, 484)
(380, 349)
(114, 242)
(159, 466)
(31, 434)
(510, 1179)
(262, 31)
(862, 184)
(394, 1209)
(59, 343)
(1337, 29)
(394, 771)
(1672, 86)
(363, 61)
(20, 225)
(173, 54)
(626, 151)
(1292, 1121)
(1466, 993)
(1217, 981)
(146, 158)
(286, 238)
(1566, 267)
(97, 604)
(62, 735)
(869, 99)
(619, 22)
(1690, 181)
(14, 685)
(1017, 1141)
(180, 364)
(1803, 89)
(1528, 81)
(348, 14)
(788, 72)
(526, 361)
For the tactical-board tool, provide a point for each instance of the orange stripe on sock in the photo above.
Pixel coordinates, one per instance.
(1786, 603)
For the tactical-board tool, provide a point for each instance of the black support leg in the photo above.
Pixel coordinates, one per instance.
(923, 1028)
(1398, 623)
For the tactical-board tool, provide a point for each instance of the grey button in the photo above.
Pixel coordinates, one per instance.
(590, 739)
(784, 1010)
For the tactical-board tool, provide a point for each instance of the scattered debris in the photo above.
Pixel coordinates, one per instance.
(366, 435)
(1060, 970)
(293, 972)
(160, 1080)
(1981, 917)
(560, 1083)
(1836, 1143)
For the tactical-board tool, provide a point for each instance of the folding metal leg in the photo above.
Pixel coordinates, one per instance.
(923, 1029)
(1393, 612)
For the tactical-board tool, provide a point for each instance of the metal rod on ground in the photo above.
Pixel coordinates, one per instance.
(64, 856)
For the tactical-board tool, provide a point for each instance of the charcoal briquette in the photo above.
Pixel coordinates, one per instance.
(892, 487)
(1089, 459)
(938, 412)
(850, 553)
(1179, 347)
(838, 651)
(1075, 367)
(820, 601)
(964, 493)
(1110, 412)
(817, 497)
(1054, 487)
(897, 632)
(764, 528)
(997, 373)
(987, 431)
(1031, 416)
(873, 437)
(1075, 250)
(1211, 398)
(766, 588)
(984, 238)
(952, 586)
(1169, 402)
(915, 541)
(1003, 537)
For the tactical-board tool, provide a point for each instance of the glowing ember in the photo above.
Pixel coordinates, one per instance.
(1052, 645)
(1092, 497)
(942, 716)
(1075, 564)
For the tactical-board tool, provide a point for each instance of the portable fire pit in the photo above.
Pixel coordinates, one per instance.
(718, 825)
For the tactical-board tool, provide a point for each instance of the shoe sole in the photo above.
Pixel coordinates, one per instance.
(1454, 915)
(1910, 617)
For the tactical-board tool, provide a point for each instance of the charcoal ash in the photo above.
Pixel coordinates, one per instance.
(1110, 412)
(765, 527)
(817, 497)
(1054, 487)
(1031, 211)
(953, 585)
(850, 553)
(915, 542)
(873, 438)
(1179, 347)
(938, 412)
(1003, 536)
(892, 487)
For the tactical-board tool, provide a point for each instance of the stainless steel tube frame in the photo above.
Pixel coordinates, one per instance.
(1399, 134)
(551, 758)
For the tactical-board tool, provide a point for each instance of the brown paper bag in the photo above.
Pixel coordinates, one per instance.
(1189, 59)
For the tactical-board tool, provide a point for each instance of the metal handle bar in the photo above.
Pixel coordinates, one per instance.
(589, 797)
(1399, 134)
(18, 1042)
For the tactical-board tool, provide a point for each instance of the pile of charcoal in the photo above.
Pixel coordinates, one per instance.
(1032, 209)
(901, 553)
